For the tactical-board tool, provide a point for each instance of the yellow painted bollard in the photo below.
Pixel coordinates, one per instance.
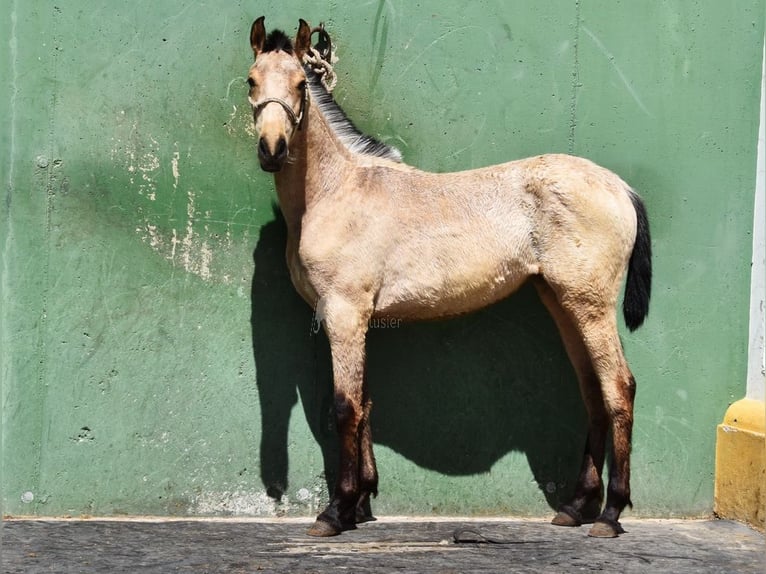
(740, 468)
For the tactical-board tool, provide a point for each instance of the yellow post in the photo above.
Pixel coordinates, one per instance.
(740, 468)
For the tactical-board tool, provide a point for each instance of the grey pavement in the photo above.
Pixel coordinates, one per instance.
(388, 545)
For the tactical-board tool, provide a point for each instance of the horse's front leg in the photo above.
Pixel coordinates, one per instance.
(368, 471)
(346, 328)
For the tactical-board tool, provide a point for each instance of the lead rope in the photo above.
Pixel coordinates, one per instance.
(321, 68)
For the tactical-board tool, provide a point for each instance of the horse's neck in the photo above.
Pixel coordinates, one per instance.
(318, 162)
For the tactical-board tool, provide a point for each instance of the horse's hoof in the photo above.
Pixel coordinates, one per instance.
(567, 516)
(362, 517)
(364, 513)
(605, 529)
(322, 529)
(563, 519)
(363, 510)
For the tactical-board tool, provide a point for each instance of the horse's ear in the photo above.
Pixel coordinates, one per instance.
(302, 39)
(258, 35)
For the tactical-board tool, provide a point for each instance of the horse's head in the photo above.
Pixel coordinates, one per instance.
(277, 90)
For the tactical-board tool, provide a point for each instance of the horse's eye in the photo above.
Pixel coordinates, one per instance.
(251, 82)
(302, 85)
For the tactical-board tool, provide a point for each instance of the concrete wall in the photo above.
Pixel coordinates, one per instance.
(154, 357)
(740, 472)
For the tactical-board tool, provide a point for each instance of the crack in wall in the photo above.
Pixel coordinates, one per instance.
(575, 81)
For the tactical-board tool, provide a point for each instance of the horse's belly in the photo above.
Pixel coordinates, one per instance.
(432, 296)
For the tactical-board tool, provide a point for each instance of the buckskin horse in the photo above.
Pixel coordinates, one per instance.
(370, 237)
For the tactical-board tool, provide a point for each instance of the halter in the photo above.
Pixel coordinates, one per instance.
(295, 119)
(319, 58)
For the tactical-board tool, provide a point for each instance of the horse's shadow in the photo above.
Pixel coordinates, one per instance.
(452, 396)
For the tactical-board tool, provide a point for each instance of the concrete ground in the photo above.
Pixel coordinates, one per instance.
(388, 545)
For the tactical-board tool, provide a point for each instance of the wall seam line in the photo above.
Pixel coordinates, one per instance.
(575, 81)
(49, 194)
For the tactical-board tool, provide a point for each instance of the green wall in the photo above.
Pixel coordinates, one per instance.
(154, 357)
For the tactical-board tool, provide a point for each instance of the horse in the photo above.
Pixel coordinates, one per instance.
(372, 238)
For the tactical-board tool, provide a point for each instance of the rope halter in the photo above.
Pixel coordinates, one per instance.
(295, 119)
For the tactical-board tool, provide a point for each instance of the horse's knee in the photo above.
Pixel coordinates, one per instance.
(347, 413)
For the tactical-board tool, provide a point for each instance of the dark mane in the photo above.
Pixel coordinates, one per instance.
(277, 40)
(344, 128)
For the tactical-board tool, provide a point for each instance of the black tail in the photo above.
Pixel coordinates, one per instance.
(638, 286)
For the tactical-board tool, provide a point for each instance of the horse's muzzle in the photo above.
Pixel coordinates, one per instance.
(272, 159)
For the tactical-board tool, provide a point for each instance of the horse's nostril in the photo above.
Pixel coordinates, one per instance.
(281, 148)
(272, 158)
(263, 148)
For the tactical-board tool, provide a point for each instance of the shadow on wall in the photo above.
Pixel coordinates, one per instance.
(452, 396)
(286, 360)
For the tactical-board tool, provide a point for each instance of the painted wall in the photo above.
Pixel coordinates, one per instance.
(756, 368)
(154, 357)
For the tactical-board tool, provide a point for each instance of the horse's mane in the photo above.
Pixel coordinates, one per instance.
(354, 140)
(277, 40)
(342, 126)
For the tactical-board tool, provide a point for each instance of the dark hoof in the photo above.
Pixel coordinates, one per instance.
(332, 521)
(323, 529)
(605, 528)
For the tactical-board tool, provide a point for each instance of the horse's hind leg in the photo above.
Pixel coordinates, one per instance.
(585, 505)
(599, 331)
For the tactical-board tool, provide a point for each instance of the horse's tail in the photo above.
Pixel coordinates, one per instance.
(638, 285)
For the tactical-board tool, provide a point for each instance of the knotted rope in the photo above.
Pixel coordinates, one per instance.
(322, 68)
